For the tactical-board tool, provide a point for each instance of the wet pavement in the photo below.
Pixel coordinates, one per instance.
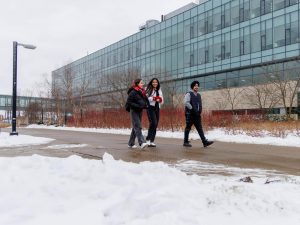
(93, 145)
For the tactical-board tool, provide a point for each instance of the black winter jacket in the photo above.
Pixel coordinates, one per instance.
(136, 101)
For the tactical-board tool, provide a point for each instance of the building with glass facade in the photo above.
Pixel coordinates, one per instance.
(221, 43)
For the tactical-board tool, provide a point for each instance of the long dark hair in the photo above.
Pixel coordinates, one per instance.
(149, 88)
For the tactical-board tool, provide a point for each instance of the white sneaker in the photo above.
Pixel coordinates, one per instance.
(132, 146)
(148, 142)
(152, 144)
(144, 145)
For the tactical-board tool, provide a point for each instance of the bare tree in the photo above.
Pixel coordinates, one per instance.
(32, 111)
(232, 96)
(116, 85)
(81, 91)
(262, 96)
(220, 103)
(68, 88)
(287, 83)
(173, 101)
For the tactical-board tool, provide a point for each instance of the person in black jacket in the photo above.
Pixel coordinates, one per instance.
(193, 110)
(137, 101)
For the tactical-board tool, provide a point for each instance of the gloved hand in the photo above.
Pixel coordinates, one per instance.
(158, 99)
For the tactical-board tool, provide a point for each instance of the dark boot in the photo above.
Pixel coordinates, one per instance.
(207, 143)
(187, 144)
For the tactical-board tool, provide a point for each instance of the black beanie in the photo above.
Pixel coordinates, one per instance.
(194, 83)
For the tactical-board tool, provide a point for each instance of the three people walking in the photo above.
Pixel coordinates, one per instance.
(151, 99)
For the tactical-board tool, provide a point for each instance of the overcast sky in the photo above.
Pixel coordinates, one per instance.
(65, 30)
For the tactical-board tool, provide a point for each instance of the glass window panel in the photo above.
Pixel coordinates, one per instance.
(168, 61)
(157, 40)
(209, 50)
(221, 76)
(278, 4)
(294, 28)
(143, 47)
(220, 84)
(227, 15)
(210, 78)
(255, 8)
(279, 32)
(148, 44)
(233, 82)
(174, 34)
(232, 74)
(201, 24)
(163, 39)
(255, 38)
(180, 32)
(217, 18)
(148, 66)
(269, 34)
(152, 48)
(168, 36)
(187, 53)
(268, 6)
(201, 52)
(245, 81)
(163, 62)
(187, 31)
(235, 12)
(292, 2)
(246, 39)
(157, 63)
(227, 50)
(152, 67)
(209, 21)
(217, 48)
(193, 28)
(180, 58)
(174, 59)
(235, 43)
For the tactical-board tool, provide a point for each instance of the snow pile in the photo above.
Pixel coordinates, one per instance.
(21, 140)
(40, 190)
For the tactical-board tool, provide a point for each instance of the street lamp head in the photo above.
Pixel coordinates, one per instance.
(27, 46)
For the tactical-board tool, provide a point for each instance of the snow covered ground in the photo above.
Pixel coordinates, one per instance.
(21, 140)
(39, 190)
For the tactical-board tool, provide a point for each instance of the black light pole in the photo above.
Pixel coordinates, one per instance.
(14, 97)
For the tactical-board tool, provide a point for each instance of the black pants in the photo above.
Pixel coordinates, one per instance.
(153, 116)
(191, 119)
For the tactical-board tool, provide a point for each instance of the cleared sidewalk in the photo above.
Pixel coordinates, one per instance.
(283, 159)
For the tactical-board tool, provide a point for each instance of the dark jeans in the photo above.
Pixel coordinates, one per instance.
(136, 118)
(153, 116)
(191, 119)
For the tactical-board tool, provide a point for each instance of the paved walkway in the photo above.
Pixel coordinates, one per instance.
(283, 159)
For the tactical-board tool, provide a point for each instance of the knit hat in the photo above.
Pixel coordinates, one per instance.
(194, 83)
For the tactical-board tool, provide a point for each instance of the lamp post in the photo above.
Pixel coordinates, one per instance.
(14, 97)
